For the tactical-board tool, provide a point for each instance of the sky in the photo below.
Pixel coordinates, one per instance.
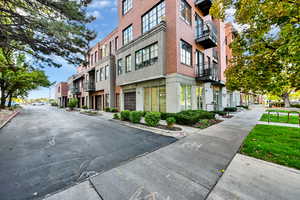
(106, 21)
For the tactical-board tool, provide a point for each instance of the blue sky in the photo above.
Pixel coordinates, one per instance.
(105, 12)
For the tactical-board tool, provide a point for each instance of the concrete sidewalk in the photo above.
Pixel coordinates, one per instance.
(247, 178)
(185, 170)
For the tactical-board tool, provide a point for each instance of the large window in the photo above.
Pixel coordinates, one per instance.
(120, 66)
(153, 17)
(127, 35)
(199, 25)
(126, 6)
(102, 74)
(185, 53)
(199, 96)
(186, 11)
(155, 99)
(128, 64)
(146, 56)
(186, 97)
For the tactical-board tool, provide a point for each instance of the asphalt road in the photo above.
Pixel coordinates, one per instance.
(45, 149)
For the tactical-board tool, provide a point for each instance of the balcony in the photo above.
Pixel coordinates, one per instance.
(204, 6)
(206, 36)
(207, 73)
(89, 86)
(75, 90)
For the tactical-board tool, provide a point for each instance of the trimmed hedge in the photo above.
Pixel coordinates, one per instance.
(113, 110)
(136, 116)
(164, 116)
(221, 113)
(230, 109)
(125, 115)
(191, 117)
(242, 106)
(171, 121)
(295, 105)
(152, 118)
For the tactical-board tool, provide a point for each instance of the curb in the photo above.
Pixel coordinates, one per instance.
(10, 118)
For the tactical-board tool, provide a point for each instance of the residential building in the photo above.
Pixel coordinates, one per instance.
(61, 94)
(165, 55)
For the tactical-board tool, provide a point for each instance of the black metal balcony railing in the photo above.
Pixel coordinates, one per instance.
(207, 72)
(204, 6)
(206, 35)
(89, 86)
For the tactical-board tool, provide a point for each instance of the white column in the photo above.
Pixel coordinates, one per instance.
(121, 103)
(173, 96)
(224, 98)
(194, 98)
(208, 97)
(140, 99)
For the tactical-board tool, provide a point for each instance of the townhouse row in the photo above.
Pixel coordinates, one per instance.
(165, 55)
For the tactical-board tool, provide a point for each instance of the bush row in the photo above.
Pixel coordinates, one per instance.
(113, 110)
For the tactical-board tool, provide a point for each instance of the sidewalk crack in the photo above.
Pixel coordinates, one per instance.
(94, 187)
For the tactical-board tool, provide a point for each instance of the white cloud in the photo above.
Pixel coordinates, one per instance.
(95, 13)
(98, 4)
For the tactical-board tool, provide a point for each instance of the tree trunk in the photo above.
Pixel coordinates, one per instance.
(2, 100)
(286, 100)
(9, 100)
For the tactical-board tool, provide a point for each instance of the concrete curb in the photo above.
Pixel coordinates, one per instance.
(10, 118)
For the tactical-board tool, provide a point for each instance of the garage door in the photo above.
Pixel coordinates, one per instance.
(130, 101)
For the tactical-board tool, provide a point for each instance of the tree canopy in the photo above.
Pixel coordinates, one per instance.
(46, 28)
(19, 78)
(266, 53)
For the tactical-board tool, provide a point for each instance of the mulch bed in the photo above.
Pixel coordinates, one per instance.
(165, 127)
(210, 123)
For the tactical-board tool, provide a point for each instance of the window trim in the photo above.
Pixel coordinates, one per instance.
(191, 12)
(191, 53)
(126, 64)
(125, 29)
(151, 59)
(156, 14)
(128, 9)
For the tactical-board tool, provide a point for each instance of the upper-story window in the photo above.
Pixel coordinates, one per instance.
(96, 54)
(185, 53)
(120, 66)
(153, 17)
(126, 6)
(128, 64)
(199, 25)
(186, 11)
(116, 43)
(102, 78)
(146, 56)
(106, 72)
(127, 35)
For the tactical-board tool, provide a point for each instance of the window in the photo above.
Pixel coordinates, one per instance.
(186, 11)
(208, 61)
(116, 43)
(199, 96)
(186, 97)
(155, 99)
(128, 64)
(199, 26)
(146, 56)
(97, 74)
(226, 40)
(92, 60)
(126, 5)
(153, 17)
(120, 70)
(106, 72)
(96, 53)
(127, 35)
(101, 74)
(186, 53)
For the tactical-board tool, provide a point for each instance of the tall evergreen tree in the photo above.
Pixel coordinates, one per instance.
(46, 28)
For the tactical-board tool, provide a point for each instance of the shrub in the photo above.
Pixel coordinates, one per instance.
(152, 118)
(230, 109)
(243, 106)
(191, 117)
(164, 115)
(171, 121)
(116, 116)
(54, 104)
(125, 115)
(84, 107)
(107, 109)
(296, 106)
(114, 110)
(221, 113)
(135, 116)
(72, 103)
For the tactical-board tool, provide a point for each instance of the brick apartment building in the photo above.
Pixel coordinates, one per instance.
(165, 55)
(61, 93)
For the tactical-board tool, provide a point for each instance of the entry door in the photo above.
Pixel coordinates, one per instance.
(217, 100)
(130, 101)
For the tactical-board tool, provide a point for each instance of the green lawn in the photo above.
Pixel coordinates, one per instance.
(281, 111)
(282, 118)
(276, 144)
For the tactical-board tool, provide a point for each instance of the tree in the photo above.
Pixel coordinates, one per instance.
(266, 54)
(46, 28)
(19, 78)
